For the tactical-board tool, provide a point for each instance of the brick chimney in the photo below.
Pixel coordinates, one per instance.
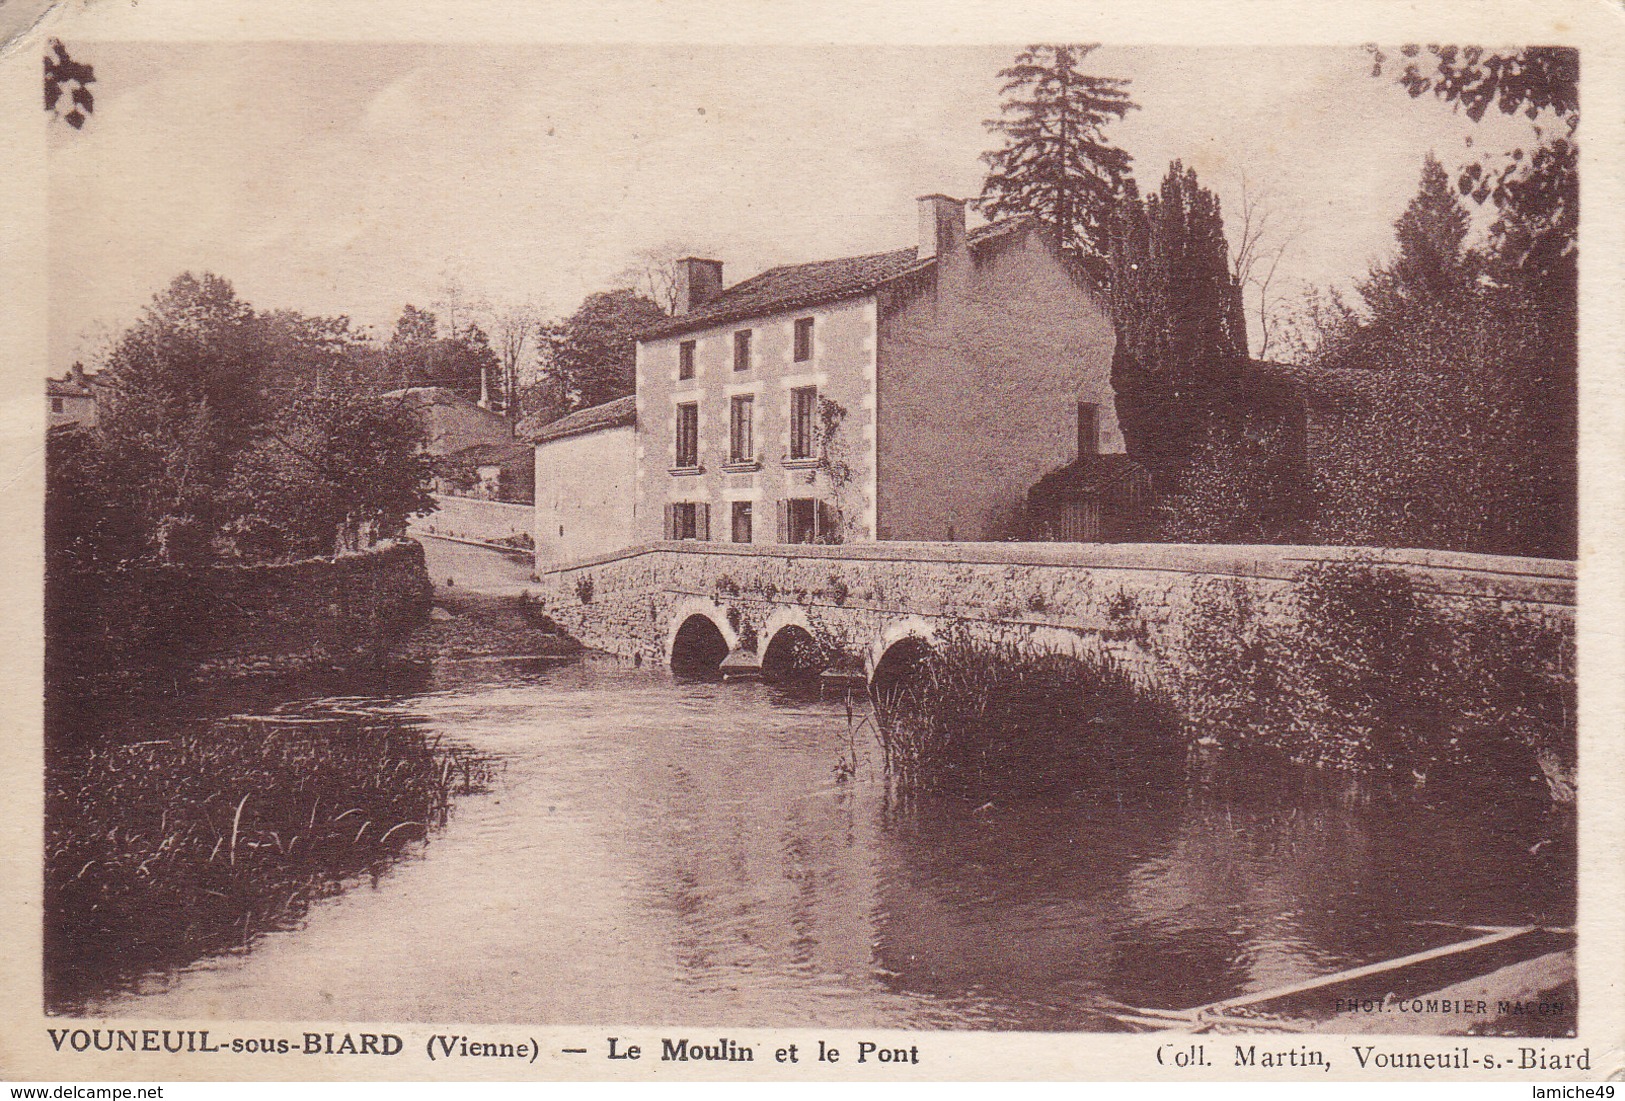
(942, 226)
(698, 281)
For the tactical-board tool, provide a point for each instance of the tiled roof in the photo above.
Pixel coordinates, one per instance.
(64, 388)
(481, 454)
(611, 414)
(797, 286)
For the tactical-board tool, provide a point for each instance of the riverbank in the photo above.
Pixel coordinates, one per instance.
(464, 624)
(146, 629)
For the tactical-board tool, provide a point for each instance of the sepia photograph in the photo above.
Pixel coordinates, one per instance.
(675, 540)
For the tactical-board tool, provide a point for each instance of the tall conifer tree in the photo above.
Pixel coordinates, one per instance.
(1182, 340)
(1056, 163)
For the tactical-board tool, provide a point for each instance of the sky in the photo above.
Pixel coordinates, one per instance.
(353, 179)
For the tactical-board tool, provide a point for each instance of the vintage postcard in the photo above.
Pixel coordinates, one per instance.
(876, 543)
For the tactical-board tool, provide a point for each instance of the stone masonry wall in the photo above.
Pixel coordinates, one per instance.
(1130, 600)
(979, 379)
(163, 627)
(480, 521)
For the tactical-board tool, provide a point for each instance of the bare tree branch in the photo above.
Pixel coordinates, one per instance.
(1255, 258)
(653, 273)
(515, 327)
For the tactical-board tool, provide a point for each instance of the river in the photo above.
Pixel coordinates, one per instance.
(651, 849)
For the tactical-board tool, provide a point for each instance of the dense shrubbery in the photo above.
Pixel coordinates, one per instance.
(978, 715)
(225, 437)
(1361, 673)
(1233, 688)
(1460, 352)
(161, 851)
(141, 628)
(1372, 677)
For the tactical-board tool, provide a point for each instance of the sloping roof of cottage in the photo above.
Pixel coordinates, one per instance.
(797, 286)
(494, 454)
(65, 388)
(434, 395)
(1085, 476)
(611, 414)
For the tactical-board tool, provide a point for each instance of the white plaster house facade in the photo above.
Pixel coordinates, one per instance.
(916, 394)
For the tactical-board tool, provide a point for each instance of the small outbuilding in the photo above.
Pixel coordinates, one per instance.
(586, 466)
(1093, 499)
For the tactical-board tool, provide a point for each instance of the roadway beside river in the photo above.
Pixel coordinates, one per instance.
(478, 608)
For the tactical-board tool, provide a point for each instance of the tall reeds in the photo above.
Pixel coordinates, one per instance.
(981, 716)
(165, 850)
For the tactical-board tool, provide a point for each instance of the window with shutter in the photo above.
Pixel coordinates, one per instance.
(781, 513)
(802, 402)
(702, 522)
(688, 435)
(802, 520)
(671, 521)
(741, 442)
(685, 520)
(804, 335)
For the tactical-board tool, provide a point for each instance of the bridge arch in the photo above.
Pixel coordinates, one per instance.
(912, 627)
(698, 635)
(898, 652)
(793, 654)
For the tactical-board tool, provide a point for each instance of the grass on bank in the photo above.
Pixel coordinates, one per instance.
(165, 850)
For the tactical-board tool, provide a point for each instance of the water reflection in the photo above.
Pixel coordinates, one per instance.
(656, 850)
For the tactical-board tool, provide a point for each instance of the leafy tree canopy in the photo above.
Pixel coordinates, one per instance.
(332, 470)
(1182, 341)
(1537, 191)
(464, 361)
(229, 432)
(1463, 434)
(590, 356)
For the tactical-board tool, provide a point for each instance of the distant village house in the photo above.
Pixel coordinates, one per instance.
(72, 398)
(475, 450)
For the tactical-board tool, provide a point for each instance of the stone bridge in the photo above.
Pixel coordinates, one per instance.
(864, 609)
